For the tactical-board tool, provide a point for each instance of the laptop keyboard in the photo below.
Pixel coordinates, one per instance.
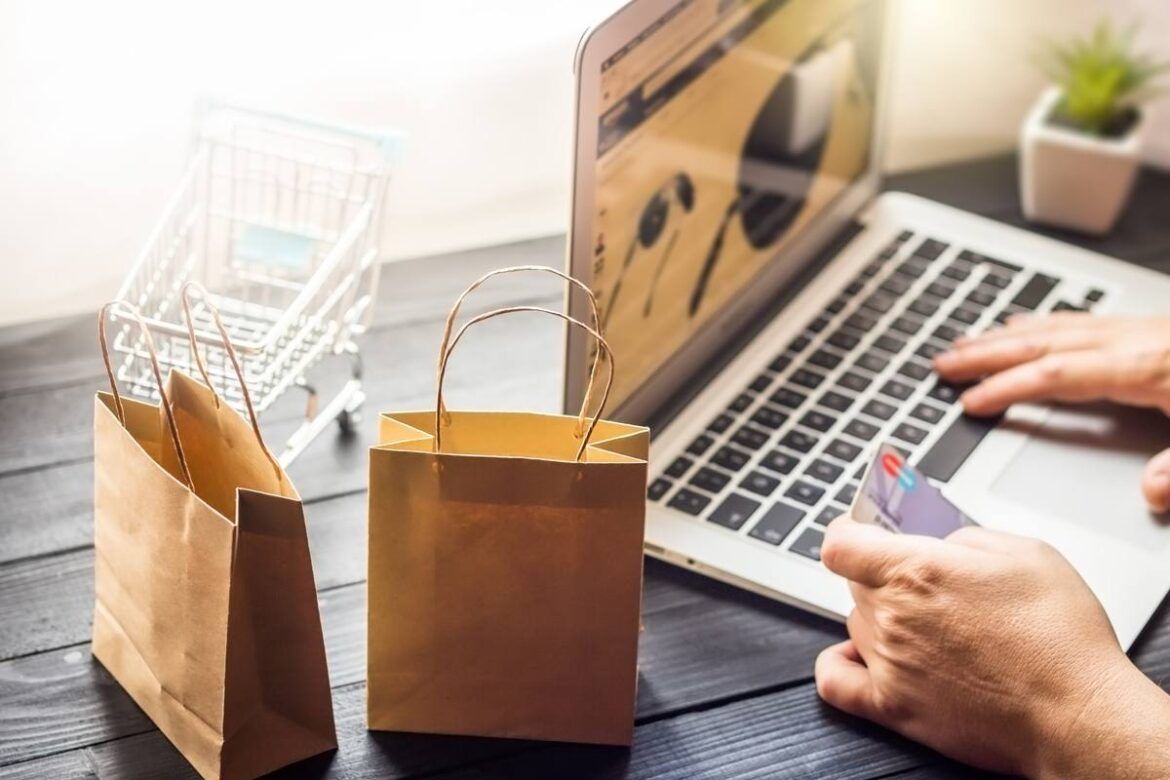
(787, 454)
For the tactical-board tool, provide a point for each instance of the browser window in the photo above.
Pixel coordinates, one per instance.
(725, 127)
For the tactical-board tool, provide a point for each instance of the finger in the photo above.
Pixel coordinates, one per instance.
(1024, 324)
(867, 553)
(1064, 376)
(1156, 482)
(843, 681)
(981, 357)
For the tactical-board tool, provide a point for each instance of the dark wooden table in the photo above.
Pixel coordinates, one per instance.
(726, 684)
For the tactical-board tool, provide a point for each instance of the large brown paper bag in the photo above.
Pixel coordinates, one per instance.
(505, 570)
(206, 608)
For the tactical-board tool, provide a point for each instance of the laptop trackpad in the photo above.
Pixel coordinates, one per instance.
(1085, 465)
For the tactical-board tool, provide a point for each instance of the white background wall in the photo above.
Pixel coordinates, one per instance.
(95, 105)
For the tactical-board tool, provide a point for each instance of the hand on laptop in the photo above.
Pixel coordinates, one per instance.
(1070, 357)
(989, 648)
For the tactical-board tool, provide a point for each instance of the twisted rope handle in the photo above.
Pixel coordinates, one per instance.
(518, 269)
(446, 355)
(232, 356)
(162, 393)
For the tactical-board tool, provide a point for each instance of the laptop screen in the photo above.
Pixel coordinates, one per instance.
(725, 127)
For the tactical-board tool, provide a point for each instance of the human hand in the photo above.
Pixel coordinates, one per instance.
(1070, 357)
(990, 649)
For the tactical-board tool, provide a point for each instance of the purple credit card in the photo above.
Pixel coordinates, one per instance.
(898, 496)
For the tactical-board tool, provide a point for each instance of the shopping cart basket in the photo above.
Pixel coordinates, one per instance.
(279, 218)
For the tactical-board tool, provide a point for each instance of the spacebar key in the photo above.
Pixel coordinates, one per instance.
(955, 446)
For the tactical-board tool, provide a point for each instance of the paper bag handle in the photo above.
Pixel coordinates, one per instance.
(602, 346)
(231, 353)
(518, 269)
(162, 393)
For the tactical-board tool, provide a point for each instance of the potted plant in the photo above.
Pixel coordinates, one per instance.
(1081, 142)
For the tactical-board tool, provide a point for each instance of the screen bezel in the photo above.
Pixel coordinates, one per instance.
(596, 46)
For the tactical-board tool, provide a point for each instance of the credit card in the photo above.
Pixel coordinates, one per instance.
(897, 496)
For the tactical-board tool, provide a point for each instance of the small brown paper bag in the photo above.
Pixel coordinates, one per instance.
(206, 607)
(505, 568)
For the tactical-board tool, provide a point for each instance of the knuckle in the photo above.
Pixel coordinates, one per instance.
(1050, 368)
(889, 708)
(921, 575)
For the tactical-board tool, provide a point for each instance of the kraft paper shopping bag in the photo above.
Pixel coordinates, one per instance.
(206, 608)
(505, 568)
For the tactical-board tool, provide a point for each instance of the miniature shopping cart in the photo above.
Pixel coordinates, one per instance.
(279, 218)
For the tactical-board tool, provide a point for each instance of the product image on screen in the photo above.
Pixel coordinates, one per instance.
(726, 126)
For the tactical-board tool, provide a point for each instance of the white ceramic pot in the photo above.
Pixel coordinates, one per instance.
(1071, 179)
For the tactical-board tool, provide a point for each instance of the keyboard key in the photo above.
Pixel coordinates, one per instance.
(889, 344)
(750, 437)
(688, 501)
(835, 401)
(658, 489)
(809, 544)
(896, 285)
(855, 287)
(837, 306)
(861, 429)
(959, 271)
(1002, 265)
(855, 382)
(818, 421)
(710, 480)
(871, 362)
(730, 458)
(946, 393)
(930, 249)
(844, 340)
(700, 445)
(939, 290)
(907, 325)
(845, 495)
(913, 267)
(819, 324)
(905, 236)
(805, 493)
(910, 433)
(780, 363)
(806, 378)
(879, 409)
(780, 462)
(777, 523)
(1094, 295)
(914, 370)
(734, 511)
(860, 473)
(1066, 306)
(824, 471)
(679, 467)
(824, 359)
(789, 398)
(761, 383)
(721, 423)
(927, 413)
(768, 417)
(871, 270)
(799, 441)
(741, 403)
(861, 321)
(997, 280)
(759, 482)
(898, 390)
(983, 296)
(926, 350)
(954, 446)
(880, 302)
(798, 343)
(964, 315)
(947, 333)
(843, 450)
(829, 514)
(1033, 293)
(923, 306)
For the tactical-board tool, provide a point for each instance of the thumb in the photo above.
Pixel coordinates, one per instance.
(1156, 482)
(844, 682)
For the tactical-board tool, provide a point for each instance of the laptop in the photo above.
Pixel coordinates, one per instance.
(726, 181)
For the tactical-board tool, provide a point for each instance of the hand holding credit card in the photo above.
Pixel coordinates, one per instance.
(898, 497)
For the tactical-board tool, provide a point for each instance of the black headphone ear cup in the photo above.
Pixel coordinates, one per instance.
(684, 188)
(653, 220)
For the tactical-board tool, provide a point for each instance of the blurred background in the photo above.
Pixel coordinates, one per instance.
(96, 107)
